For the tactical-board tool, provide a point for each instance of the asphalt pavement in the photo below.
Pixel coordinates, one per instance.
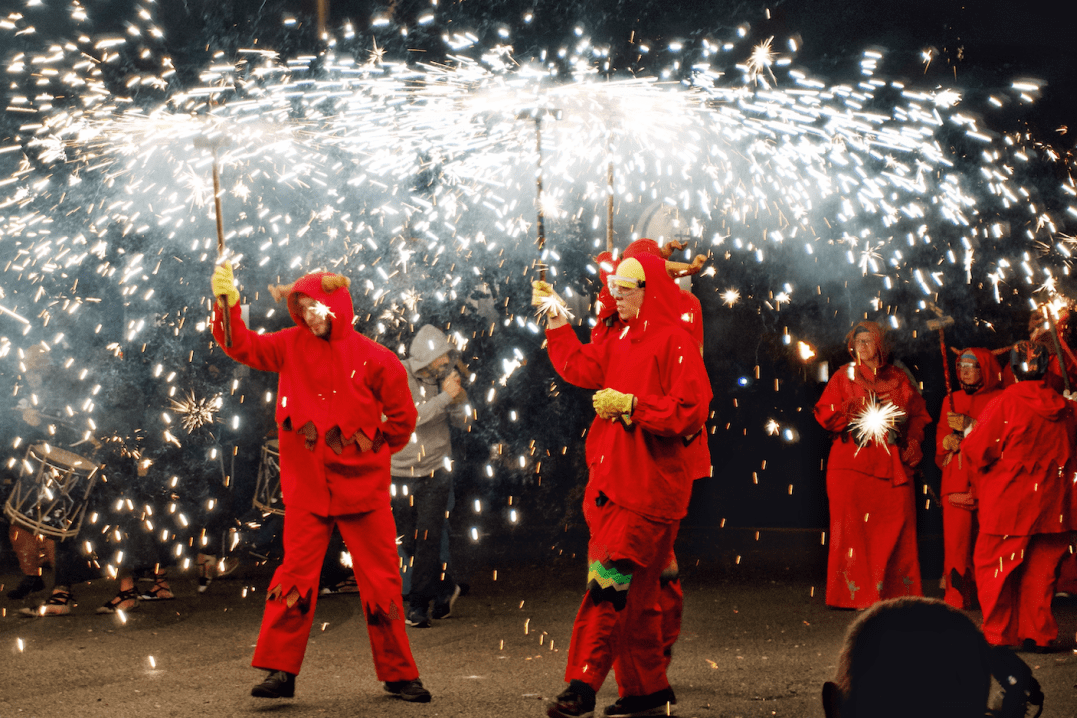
(753, 644)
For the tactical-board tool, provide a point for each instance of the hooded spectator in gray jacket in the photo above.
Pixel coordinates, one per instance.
(422, 471)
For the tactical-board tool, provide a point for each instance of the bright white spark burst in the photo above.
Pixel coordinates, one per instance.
(875, 422)
(197, 412)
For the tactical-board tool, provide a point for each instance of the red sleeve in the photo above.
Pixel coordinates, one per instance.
(982, 447)
(918, 419)
(683, 411)
(390, 386)
(830, 409)
(264, 352)
(582, 365)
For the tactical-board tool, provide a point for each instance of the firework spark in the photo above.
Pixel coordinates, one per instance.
(197, 412)
(875, 423)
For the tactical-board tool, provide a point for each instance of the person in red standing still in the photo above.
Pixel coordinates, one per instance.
(671, 597)
(335, 388)
(980, 378)
(1024, 457)
(873, 552)
(653, 392)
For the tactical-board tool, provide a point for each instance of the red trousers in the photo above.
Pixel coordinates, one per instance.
(1015, 579)
(873, 554)
(619, 623)
(959, 539)
(671, 605)
(293, 592)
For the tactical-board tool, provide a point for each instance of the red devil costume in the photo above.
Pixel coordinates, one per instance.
(1023, 451)
(671, 596)
(638, 490)
(873, 552)
(958, 506)
(333, 393)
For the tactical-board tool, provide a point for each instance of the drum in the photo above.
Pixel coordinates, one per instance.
(267, 495)
(51, 492)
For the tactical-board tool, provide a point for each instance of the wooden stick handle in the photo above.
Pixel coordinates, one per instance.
(226, 314)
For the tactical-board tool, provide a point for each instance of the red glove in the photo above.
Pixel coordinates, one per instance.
(911, 456)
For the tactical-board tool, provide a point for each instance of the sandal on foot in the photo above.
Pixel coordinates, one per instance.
(58, 604)
(159, 592)
(126, 600)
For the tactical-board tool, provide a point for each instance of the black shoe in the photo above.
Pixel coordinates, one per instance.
(28, 585)
(655, 704)
(278, 684)
(418, 617)
(576, 701)
(410, 691)
(443, 609)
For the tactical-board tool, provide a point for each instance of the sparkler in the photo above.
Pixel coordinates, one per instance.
(197, 412)
(875, 422)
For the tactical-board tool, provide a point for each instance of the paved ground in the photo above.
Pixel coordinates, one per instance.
(758, 646)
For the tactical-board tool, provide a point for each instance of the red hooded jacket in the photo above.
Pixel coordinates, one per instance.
(847, 393)
(1022, 453)
(957, 474)
(691, 316)
(334, 391)
(642, 467)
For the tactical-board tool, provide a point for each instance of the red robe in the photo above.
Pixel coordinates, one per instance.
(1024, 454)
(697, 452)
(873, 552)
(341, 387)
(639, 482)
(958, 522)
(334, 461)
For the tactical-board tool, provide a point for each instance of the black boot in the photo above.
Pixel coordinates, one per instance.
(28, 585)
(278, 684)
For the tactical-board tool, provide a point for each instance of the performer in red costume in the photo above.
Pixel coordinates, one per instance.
(869, 482)
(1023, 452)
(335, 388)
(653, 394)
(980, 379)
(671, 595)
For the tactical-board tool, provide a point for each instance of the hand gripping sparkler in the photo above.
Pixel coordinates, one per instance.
(213, 144)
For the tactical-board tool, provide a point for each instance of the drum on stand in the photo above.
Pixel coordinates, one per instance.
(51, 492)
(267, 496)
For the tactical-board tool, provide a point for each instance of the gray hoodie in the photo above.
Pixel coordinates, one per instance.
(429, 446)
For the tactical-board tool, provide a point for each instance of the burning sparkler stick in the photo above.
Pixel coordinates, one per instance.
(537, 115)
(939, 323)
(213, 144)
(1047, 312)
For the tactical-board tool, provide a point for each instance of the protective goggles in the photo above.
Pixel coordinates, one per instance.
(620, 287)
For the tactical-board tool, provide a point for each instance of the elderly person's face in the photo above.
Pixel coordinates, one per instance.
(865, 349)
(316, 315)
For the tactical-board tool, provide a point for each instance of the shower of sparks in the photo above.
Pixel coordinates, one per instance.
(772, 427)
(195, 412)
(875, 422)
(410, 177)
(553, 307)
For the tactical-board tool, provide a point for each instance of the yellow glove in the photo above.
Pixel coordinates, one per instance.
(540, 292)
(547, 300)
(957, 422)
(951, 442)
(611, 404)
(224, 284)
